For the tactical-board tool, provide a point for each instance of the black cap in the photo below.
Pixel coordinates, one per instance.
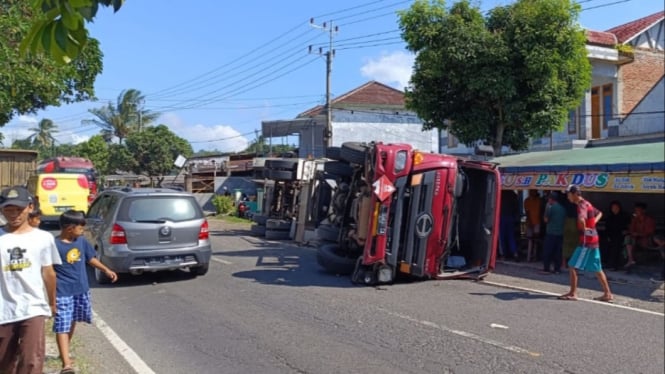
(573, 189)
(17, 195)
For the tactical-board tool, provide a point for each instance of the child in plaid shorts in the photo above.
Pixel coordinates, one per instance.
(72, 290)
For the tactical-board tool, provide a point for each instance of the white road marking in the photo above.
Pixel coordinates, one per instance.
(508, 347)
(533, 290)
(221, 261)
(125, 351)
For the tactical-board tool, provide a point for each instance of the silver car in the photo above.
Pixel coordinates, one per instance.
(145, 229)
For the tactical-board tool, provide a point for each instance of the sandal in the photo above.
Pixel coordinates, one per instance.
(604, 299)
(567, 297)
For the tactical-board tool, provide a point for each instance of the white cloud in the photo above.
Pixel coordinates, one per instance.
(394, 68)
(27, 119)
(221, 137)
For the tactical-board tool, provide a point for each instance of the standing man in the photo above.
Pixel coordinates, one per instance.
(509, 215)
(640, 232)
(534, 214)
(555, 216)
(587, 255)
(27, 285)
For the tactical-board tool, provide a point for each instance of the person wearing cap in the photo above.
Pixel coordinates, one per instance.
(587, 254)
(28, 280)
(555, 216)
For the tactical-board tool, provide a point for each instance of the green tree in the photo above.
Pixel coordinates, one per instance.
(124, 117)
(97, 151)
(501, 79)
(42, 135)
(59, 30)
(31, 83)
(155, 149)
(120, 159)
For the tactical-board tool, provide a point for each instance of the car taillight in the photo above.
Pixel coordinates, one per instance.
(118, 235)
(82, 181)
(203, 233)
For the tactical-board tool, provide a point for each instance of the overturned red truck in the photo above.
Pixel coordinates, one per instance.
(405, 212)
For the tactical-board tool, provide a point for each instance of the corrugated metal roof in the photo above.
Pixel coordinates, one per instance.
(640, 157)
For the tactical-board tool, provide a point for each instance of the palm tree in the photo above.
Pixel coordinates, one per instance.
(42, 135)
(123, 118)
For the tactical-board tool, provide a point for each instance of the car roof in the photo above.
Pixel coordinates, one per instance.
(133, 191)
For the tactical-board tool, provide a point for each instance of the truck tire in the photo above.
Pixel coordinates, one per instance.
(332, 262)
(260, 219)
(280, 175)
(327, 233)
(339, 168)
(353, 152)
(281, 164)
(277, 235)
(333, 153)
(278, 224)
(258, 230)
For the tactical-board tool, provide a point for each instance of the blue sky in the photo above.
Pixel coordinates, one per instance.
(216, 69)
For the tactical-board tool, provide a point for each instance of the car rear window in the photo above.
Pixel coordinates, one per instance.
(158, 208)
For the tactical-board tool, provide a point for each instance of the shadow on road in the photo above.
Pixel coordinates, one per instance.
(286, 266)
(513, 295)
(128, 280)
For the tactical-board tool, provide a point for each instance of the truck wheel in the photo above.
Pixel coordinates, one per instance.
(281, 164)
(260, 219)
(280, 175)
(353, 152)
(333, 153)
(332, 262)
(328, 233)
(258, 230)
(277, 235)
(278, 224)
(339, 168)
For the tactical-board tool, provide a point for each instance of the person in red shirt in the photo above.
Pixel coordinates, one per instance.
(587, 255)
(640, 232)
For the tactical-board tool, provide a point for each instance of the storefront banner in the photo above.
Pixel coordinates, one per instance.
(589, 181)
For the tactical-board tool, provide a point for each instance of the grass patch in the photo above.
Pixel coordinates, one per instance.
(231, 219)
(52, 362)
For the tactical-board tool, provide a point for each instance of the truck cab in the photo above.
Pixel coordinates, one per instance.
(406, 212)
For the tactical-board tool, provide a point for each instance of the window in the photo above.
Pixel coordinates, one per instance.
(572, 122)
(607, 104)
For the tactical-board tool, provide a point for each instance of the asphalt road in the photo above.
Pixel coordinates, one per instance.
(266, 308)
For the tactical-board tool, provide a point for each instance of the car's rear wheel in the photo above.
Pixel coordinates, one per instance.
(330, 259)
(101, 278)
(201, 269)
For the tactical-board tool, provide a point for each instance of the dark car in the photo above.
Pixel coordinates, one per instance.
(148, 229)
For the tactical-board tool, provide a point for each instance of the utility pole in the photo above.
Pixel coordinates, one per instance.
(330, 54)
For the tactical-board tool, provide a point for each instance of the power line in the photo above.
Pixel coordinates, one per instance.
(606, 5)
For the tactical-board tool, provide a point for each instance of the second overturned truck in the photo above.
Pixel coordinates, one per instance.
(399, 211)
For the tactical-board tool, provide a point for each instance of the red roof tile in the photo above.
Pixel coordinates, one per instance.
(628, 31)
(370, 93)
(600, 38)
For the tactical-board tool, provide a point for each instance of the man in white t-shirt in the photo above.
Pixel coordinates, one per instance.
(27, 285)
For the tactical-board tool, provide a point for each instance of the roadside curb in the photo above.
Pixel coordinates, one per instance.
(612, 276)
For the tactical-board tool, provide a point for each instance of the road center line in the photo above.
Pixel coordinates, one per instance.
(221, 261)
(465, 334)
(533, 290)
(125, 351)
